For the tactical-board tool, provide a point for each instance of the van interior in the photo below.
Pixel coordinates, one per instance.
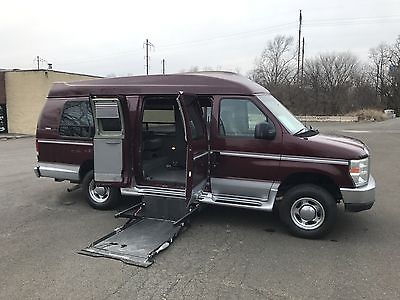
(163, 156)
(163, 142)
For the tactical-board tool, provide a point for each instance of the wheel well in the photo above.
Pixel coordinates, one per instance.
(85, 167)
(310, 178)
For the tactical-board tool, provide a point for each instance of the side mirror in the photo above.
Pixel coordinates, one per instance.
(265, 131)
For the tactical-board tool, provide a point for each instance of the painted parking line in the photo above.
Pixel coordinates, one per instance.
(356, 131)
(371, 131)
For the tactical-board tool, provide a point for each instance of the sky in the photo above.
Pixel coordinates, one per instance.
(106, 38)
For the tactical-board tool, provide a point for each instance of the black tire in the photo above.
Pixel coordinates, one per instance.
(96, 197)
(276, 209)
(308, 210)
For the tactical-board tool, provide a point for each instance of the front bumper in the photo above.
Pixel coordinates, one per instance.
(361, 198)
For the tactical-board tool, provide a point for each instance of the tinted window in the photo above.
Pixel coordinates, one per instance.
(238, 117)
(110, 124)
(77, 119)
(159, 119)
(108, 116)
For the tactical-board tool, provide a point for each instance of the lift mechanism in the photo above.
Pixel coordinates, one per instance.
(152, 226)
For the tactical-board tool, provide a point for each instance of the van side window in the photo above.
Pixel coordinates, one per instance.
(159, 119)
(77, 120)
(108, 117)
(239, 117)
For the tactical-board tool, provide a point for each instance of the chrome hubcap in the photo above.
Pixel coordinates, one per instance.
(98, 194)
(307, 213)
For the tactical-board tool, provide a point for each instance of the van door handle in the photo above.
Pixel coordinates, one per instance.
(113, 142)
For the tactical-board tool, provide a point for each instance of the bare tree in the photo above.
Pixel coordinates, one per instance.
(394, 73)
(330, 78)
(385, 60)
(333, 83)
(380, 57)
(276, 64)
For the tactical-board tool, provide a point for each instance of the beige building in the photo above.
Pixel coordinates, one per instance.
(22, 96)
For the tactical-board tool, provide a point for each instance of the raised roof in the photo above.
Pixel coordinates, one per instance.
(201, 83)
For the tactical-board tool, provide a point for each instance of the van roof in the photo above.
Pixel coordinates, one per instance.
(200, 83)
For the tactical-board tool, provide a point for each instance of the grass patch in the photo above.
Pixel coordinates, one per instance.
(369, 114)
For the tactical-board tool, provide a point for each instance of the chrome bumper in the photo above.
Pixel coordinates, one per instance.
(361, 198)
(37, 171)
(57, 171)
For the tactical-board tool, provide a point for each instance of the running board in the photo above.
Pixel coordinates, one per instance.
(208, 198)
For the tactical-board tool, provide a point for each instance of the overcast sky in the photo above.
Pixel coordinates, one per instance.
(106, 37)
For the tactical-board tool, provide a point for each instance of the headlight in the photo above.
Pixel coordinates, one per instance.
(359, 171)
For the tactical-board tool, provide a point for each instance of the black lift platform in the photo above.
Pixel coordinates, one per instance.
(152, 226)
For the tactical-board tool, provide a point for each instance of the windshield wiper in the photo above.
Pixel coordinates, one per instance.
(309, 132)
(300, 131)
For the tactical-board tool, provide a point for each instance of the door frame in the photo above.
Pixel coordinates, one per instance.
(240, 152)
(197, 150)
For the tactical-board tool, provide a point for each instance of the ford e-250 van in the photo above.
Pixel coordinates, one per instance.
(209, 137)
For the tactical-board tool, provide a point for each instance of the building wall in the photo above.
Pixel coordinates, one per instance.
(26, 93)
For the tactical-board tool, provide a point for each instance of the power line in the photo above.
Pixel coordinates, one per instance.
(113, 55)
(229, 36)
(351, 21)
(256, 32)
(355, 19)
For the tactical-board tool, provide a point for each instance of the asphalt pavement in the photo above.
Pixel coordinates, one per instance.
(224, 254)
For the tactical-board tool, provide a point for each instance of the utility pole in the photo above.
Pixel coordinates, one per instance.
(302, 62)
(163, 66)
(299, 47)
(147, 46)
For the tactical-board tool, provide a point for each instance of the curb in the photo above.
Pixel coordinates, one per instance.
(7, 137)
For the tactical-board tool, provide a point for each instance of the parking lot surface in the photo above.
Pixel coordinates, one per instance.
(225, 253)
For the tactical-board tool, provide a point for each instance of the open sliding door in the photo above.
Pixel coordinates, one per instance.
(197, 154)
(107, 142)
(157, 220)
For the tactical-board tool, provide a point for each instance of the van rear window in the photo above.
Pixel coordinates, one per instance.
(77, 120)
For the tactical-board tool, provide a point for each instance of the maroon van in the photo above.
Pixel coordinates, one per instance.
(208, 137)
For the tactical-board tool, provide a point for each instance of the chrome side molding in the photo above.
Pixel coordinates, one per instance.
(305, 159)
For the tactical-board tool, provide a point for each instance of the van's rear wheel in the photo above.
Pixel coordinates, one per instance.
(308, 210)
(99, 197)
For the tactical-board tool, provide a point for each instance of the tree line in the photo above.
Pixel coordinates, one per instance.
(331, 83)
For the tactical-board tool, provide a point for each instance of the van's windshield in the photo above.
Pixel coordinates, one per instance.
(287, 119)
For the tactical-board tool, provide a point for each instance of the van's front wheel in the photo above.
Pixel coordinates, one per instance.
(99, 197)
(308, 210)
